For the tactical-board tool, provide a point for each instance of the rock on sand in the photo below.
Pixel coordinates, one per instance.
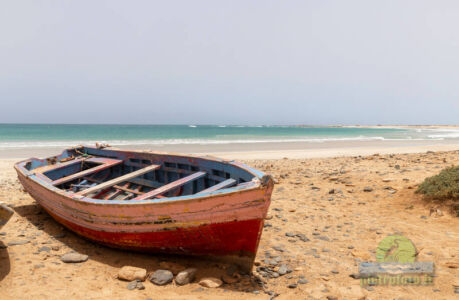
(186, 276)
(129, 273)
(74, 257)
(210, 282)
(162, 277)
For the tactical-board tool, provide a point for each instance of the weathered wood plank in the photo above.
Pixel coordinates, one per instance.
(221, 185)
(170, 186)
(120, 179)
(106, 163)
(183, 171)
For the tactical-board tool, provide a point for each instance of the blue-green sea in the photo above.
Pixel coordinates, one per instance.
(57, 135)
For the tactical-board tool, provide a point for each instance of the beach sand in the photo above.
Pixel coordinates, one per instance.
(343, 227)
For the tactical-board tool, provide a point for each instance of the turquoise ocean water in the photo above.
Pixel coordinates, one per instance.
(54, 135)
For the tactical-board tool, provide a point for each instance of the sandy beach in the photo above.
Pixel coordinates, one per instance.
(322, 198)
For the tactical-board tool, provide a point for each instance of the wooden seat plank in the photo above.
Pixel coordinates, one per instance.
(227, 183)
(105, 164)
(170, 186)
(120, 179)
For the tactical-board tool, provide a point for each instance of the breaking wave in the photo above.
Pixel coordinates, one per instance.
(164, 142)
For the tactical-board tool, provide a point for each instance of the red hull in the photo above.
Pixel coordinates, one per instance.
(238, 238)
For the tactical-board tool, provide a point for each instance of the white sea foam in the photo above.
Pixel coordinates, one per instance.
(61, 144)
(444, 133)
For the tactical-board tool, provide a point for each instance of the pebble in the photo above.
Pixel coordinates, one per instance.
(303, 237)
(367, 189)
(284, 269)
(278, 248)
(74, 257)
(210, 282)
(130, 273)
(355, 276)
(161, 277)
(292, 285)
(18, 242)
(186, 276)
(303, 281)
(44, 249)
(136, 284)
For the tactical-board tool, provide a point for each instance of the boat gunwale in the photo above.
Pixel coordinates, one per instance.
(260, 180)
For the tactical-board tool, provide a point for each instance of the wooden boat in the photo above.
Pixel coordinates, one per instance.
(5, 214)
(154, 202)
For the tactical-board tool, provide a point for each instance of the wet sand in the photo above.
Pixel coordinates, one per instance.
(321, 198)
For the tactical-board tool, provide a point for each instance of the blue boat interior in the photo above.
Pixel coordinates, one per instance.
(134, 175)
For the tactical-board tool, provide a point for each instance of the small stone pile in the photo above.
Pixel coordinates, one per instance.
(162, 277)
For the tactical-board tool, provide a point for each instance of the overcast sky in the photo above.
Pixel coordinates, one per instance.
(229, 62)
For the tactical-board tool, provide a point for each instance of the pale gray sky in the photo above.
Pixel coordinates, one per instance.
(230, 62)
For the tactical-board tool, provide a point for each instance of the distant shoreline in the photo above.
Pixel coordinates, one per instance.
(382, 126)
(252, 125)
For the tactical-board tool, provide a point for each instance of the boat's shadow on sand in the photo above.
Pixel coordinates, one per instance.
(4, 261)
(119, 258)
